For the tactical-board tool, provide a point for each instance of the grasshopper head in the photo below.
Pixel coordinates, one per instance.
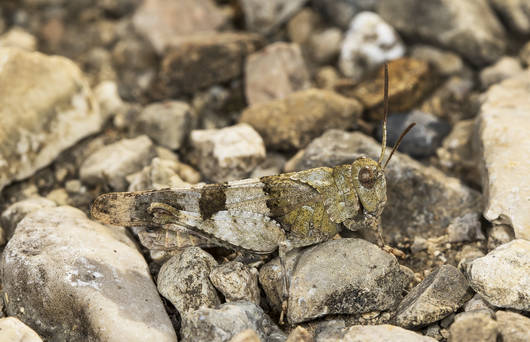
(369, 182)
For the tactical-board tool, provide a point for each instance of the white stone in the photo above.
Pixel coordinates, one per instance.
(503, 125)
(18, 38)
(13, 330)
(108, 98)
(16, 212)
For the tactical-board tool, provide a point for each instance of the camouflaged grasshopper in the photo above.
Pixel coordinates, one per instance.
(261, 215)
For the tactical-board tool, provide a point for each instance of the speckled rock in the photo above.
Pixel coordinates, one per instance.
(18, 210)
(369, 42)
(111, 164)
(184, 281)
(226, 321)
(371, 333)
(275, 72)
(84, 265)
(474, 326)
(13, 330)
(516, 14)
(513, 327)
(236, 281)
(346, 276)
(442, 292)
(467, 27)
(506, 67)
(228, 153)
(265, 16)
(503, 139)
(46, 106)
(291, 123)
(341, 12)
(501, 277)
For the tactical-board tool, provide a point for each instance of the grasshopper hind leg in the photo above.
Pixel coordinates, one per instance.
(283, 248)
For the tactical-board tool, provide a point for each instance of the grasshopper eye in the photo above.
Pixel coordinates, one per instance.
(366, 177)
(370, 185)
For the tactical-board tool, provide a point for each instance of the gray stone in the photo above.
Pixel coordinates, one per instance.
(248, 335)
(275, 72)
(46, 107)
(446, 63)
(498, 235)
(513, 327)
(502, 137)
(17, 211)
(369, 42)
(341, 12)
(474, 326)
(228, 153)
(184, 281)
(516, 14)
(423, 140)
(236, 281)
(372, 333)
(465, 228)
(96, 283)
(18, 38)
(112, 163)
(166, 123)
(168, 22)
(501, 277)
(477, 303)
(13, 330)
(420, 200)
(441, 293)
(467, 27)
(346, 276)
(265, 16)
(504, 68)
(226, 321)
(291, 123)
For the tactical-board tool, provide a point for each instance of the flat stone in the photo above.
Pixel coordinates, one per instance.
(341, 12)
(513, 327)
(441, 293)
(502, 138)
(236, 281)
(112, 163)
(420, 200)
(46, 107)
(291, 123)
(474, 326)
(265, 16)
(204, 60)
(13, 330)
(504, 68)
(84, 265)
(467, 27)
(346, 276)
(17, 211)
(184, 281)
(516, 14)
(501, 277)
(369, 42)
(226, 321)
(168, 22)
(371, 333)
(275, 72)
(228, 153)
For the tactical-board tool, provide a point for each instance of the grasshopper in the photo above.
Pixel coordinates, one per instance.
(262, 215)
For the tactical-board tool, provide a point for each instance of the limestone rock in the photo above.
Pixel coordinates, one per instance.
(13, 330)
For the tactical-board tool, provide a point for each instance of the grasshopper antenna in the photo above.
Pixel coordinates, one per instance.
(399, 142)
(383, 144)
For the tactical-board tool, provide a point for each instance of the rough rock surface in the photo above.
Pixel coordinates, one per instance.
(265, 16)
(46, 106)
(513, 327)
(13, 330)
(371, 333)
(18, 210)
(236, 281)
(291, 123)
(467, 27)
(346, 276)
(501, 277)
(96, 283)
(474, 326)
(503, 139)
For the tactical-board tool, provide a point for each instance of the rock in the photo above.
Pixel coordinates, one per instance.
(524, 54)
(466, 255)
(369, 42)
(502, 138)
(18, 38)
(168, 22)
(160, 174)
(225, 322)
(46, 106)
(468, 28)
(465, 228)
(84, 265)
(442, 292)
(13, 330)
(501, 277)
(302, 25)
(327, 78)
(248, 335)
(474, 326)
(409, 81)
(420, 200)
(299, 334)
(370, 333)
(112, 163)
(423, 140)
(291, 123)
(446, 63)
(477, 303)
(346, 276)
(498, 235)
(236, 281)
(204, 60)
(220, 106)
(167, 123)
(515, 13)
(513, 327)
(265, 16)
(504, 68)
(17, 211)
(272, 165)
(229, 153)
(324, 46)
(275, 72)
(109, 100)
(341, 12)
